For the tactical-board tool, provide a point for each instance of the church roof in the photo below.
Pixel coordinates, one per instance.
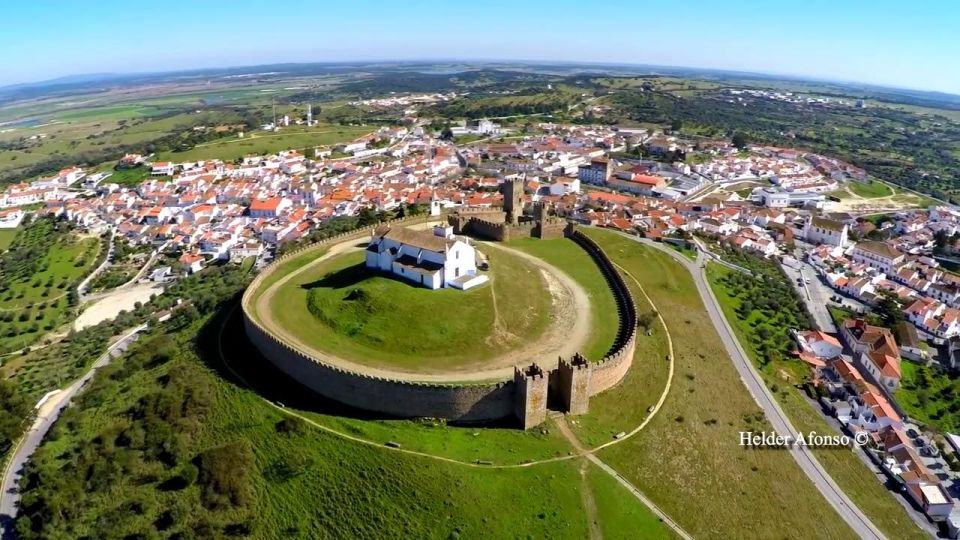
(418, 239)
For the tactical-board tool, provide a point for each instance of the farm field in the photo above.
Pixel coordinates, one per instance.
(37, 276)
(858, 482)
(340, 307)
(261, 143)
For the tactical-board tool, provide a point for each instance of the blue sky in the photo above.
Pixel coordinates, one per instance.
(907, 44)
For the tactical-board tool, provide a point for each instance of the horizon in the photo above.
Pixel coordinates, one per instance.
(849, 43)
(471, 64)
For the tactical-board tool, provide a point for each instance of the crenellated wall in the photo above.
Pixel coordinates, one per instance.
(524, 396)
(458, 403)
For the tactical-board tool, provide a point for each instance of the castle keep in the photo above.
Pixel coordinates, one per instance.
(510, 222)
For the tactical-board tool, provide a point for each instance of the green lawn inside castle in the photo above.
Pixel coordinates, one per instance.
(341, 308)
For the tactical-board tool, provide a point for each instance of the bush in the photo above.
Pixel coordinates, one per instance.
(224, 478)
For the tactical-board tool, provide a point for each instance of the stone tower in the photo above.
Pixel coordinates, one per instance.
(530, 406)
(575, 384)
(513, 200)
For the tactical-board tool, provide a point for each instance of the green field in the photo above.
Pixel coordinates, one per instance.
(871, 189)
(688, 459)
(37, 274)
(340, 307)
(262, 143)
(858, 482)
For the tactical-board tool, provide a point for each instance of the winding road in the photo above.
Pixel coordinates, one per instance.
(47, 414)
(849, 511)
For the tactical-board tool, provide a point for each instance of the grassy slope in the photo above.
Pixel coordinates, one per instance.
(688, 459)
(410, 327)
(261, 143)
(861, 485)
(346, 490)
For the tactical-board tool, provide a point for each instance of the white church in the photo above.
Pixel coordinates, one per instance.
(434, 260)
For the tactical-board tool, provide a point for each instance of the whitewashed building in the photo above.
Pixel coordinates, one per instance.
(826, 231)
(434, 260)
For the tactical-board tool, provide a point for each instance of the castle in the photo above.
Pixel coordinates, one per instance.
(510, 222)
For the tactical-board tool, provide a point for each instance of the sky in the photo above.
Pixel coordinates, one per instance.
(902, 44)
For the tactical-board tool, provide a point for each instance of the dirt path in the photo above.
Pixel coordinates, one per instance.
(110, 305)
(589, 503)
(569, 330)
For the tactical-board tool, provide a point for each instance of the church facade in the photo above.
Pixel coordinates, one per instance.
(434, 260)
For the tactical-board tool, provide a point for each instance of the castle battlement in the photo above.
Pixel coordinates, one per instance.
(525, 396)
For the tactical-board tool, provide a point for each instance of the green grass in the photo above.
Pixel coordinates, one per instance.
(688, 459)
(619, 515)
(338, 488)
(262, 143)
(572, 260)
(6, 237)
(858, 482)
(367, 317)
(870, 189)
(685, 250)
(34, 299)
(930, 395)
(128, 177)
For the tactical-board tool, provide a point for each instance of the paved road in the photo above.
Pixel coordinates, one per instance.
(46, 416)
(815, 295)
(852, 515)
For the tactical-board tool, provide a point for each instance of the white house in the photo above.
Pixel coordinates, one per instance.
(434, 260)
(826, 231)
(877, 255)
(162, 168)
(820, 344)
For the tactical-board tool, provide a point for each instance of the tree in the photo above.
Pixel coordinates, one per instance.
(940, 240)
(415, 209)
(367, 216)
(446, 133)
(888, 309)
(740, 140)
(676, 125)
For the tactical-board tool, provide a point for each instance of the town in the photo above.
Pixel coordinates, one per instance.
(773, 202)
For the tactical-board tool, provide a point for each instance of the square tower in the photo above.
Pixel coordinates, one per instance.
(574, 388)
(530, 404)
(513, 200)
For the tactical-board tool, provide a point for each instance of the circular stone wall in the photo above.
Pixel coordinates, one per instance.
(464, 392)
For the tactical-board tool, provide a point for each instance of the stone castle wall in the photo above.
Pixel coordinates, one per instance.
(457, 403)
(525, 396)
(609, 371)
